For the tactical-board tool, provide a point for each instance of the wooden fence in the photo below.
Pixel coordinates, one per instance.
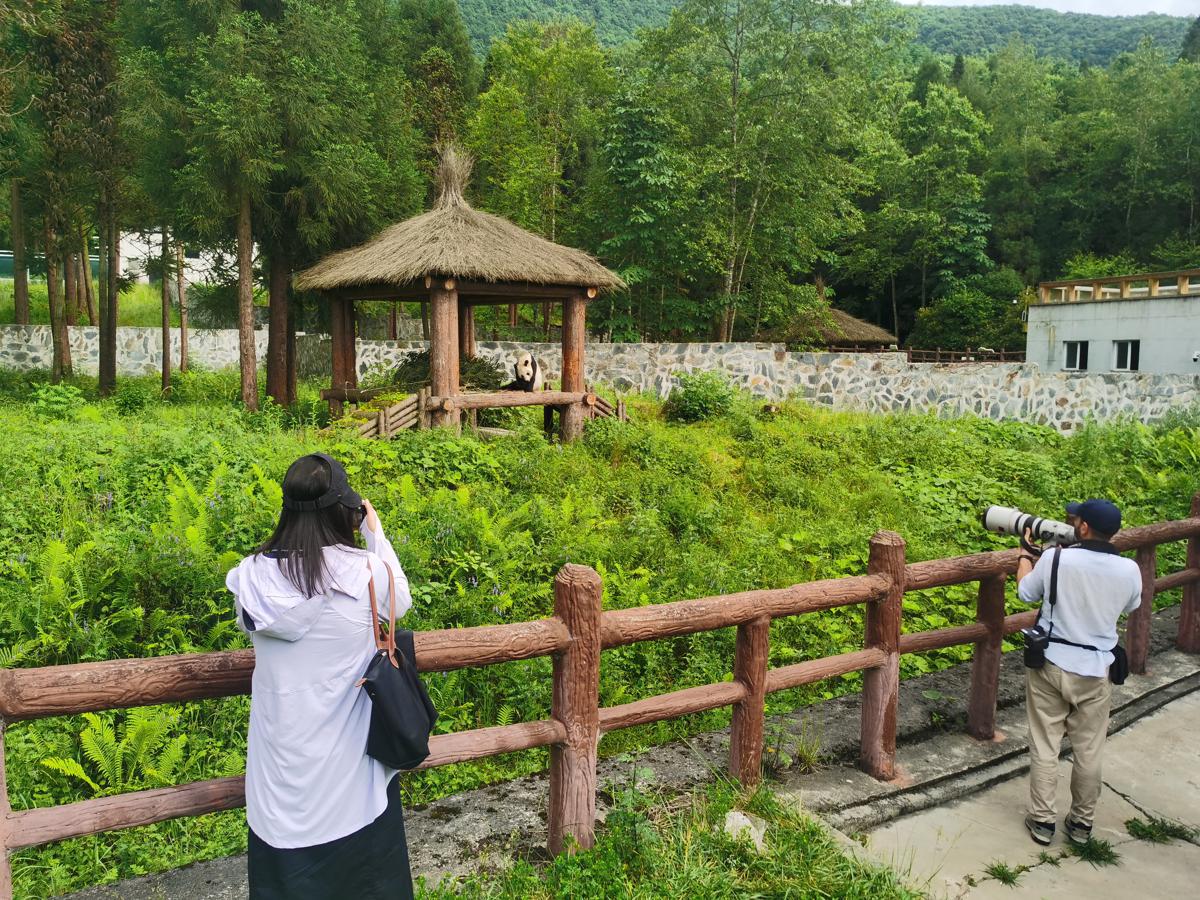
(940, 355)
(575, 636)
(416, 410)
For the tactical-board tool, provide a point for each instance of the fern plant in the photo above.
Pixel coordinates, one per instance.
(136, 753)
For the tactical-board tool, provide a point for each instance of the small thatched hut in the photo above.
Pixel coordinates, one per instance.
(841, 331)
(456, 257)
(848, 331)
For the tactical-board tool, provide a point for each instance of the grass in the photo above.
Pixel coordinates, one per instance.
(1049, 859)
(1160, 831)
(656, 847)
(1004, 873)
(141, 305)
(1096, 851)
(118, 519)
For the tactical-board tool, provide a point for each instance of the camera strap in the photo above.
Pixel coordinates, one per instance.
(1053, 598)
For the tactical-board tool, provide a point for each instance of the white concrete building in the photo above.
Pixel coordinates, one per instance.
(1133, 323)
(138, 248)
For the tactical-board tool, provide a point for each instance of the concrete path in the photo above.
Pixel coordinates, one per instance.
(1152, 767)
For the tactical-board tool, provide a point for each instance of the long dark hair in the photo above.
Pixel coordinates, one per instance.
(301, 535)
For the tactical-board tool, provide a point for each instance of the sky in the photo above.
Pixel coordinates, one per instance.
(1188, 8)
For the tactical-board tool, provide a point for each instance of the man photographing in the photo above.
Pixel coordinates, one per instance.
(1084, 589)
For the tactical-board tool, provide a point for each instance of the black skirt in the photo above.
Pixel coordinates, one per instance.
(369, 864)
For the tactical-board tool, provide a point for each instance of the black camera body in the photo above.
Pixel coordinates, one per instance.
(1036, 642)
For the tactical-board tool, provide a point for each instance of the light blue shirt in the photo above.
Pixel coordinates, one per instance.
(1094, 590)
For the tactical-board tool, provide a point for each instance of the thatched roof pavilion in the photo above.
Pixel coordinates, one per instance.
(843, 330)
(455, 257)
(848, 331)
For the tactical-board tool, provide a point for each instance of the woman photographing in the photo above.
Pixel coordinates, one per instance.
(325, 819)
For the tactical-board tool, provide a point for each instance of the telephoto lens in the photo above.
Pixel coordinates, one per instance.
(1008, 520)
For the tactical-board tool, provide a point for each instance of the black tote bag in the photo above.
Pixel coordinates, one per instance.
(402, 715)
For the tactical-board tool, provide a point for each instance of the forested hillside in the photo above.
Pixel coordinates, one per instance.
(944, 29)
(1096, 40)
(742, 166)
(616, 20)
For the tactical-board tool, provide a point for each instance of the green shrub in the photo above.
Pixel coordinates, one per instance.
(699, 397)
(56, 401)
(132, 396)
(116, 533)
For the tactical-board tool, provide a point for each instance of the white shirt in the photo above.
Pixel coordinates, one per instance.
(308, 778)
(1094, 590)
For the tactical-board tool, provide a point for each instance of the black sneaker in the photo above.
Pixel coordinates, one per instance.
(1041, 832)
(1076, 833)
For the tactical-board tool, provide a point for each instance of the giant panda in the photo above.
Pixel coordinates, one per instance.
(528, 374)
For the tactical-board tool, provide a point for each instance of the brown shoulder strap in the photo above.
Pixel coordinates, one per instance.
(387, 644)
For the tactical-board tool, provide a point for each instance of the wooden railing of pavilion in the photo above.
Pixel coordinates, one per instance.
(417, 410)
(575, 636)
(1148, 285)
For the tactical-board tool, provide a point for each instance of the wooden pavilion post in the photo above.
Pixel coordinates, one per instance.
(443, 346)
(341, 332)
(466, 331)
(573, 332)
(466, 348)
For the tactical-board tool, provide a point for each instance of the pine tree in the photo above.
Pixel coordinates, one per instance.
(1190, 51)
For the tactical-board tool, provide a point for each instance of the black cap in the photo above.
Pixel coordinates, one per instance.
(339, 490)
(1102, 515)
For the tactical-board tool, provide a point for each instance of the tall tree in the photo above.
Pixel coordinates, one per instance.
(751, 80)
(232, 152)
(330, 75)
(1021, 107)
(943, 136)
(1190, 50)
(69, 45)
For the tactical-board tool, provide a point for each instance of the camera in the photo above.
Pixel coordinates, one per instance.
(1036, 642)
(1196, 356)
(1007, 520)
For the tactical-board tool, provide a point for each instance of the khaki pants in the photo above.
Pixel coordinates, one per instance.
(1059, 702)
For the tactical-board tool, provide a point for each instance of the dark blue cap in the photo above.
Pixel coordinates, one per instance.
(1102, 515)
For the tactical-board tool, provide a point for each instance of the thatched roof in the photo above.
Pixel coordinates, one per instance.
(842, 330)
(849, 330)
(455, 240)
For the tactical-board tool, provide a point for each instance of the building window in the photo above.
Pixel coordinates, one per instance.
(1125, 355)
(1076, 355)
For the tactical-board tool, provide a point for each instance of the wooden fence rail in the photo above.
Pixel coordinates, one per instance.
(575, 636)
(416, 410)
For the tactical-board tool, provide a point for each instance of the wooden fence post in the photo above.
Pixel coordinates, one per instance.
(1189, 612)
(985, 663)
(1137, 628)
(881, 686)
(6, 887)
(750, 669)
(576, 704)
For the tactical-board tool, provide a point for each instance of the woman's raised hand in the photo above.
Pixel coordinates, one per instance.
(372, 518)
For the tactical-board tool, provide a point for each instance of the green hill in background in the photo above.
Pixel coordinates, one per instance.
(1074, 36)
(944, 29)
(616, 20)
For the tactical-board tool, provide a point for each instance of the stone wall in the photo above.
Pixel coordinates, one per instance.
(139, 350)
(876, 382)
(869, 382)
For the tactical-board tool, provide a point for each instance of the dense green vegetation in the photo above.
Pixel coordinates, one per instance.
(1076, 37)
(616, 21)
(934, 189)
(643, 851)
(141, 305)
(119, 518)
(966, 30)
